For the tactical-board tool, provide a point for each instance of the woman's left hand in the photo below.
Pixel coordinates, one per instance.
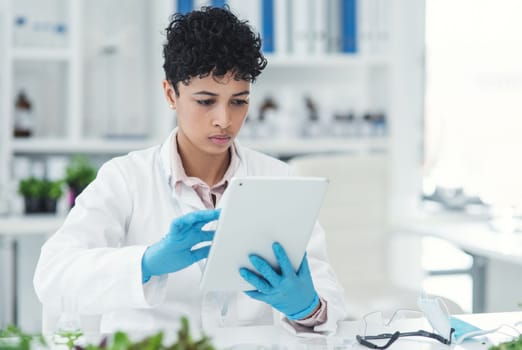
(290, 292)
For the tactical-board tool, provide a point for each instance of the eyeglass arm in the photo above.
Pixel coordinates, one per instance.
(427, 334)
(364, 340)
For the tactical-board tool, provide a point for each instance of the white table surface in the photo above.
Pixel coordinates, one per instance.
(497, 256)
(472, 234)
(277, 338)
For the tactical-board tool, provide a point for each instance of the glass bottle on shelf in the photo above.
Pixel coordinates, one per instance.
(24, 118)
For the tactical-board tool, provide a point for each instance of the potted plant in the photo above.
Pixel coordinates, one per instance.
(40, 195)
(30, 189)
(51, 191)
(78, 174)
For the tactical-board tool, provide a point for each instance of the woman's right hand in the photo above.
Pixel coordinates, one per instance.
(174, 251)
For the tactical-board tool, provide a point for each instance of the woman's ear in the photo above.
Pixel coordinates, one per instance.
(170, 93)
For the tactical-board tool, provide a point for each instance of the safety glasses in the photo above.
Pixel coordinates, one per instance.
(379, 332)
(392, 337)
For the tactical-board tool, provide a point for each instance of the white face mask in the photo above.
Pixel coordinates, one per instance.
(465, 330)
(437, 315)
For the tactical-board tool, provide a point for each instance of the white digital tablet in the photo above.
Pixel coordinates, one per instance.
(256, 212)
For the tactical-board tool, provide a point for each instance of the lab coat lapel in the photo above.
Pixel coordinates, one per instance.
(242, 167)
(187, 200)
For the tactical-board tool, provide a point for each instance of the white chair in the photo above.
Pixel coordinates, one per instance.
(354, 216)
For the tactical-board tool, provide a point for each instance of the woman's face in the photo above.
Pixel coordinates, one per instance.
(210, 112)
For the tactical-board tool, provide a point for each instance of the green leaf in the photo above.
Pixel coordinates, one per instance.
(55, 189)
(120, 341)
(79, 172)
(30, 187)
(40, 188)
(153, 342)
(12, 333)
(70, 337)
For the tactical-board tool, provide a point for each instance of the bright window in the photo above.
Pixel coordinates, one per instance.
(473, 115)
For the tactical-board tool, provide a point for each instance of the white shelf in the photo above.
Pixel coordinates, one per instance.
(89, 146)
(281, 147)
(41, 54)
(30, 224)
(325, 61)
(317, 145)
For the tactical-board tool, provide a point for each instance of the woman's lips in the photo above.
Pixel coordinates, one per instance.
(220, 139)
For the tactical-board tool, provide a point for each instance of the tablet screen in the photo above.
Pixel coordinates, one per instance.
(256, 212)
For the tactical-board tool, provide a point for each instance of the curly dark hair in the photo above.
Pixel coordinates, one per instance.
(211, 41)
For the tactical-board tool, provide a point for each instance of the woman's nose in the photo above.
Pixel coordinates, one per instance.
(222, 118)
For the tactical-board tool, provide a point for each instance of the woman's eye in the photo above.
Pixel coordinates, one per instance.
(205, 102)
(239, 102)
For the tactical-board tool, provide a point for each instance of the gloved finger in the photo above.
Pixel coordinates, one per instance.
(200, 225)
(284, 263)
(200, 253)
(304, 269)
(254, 294)
(202, 236)
(256, 281)
(265, 270)
(200, 218)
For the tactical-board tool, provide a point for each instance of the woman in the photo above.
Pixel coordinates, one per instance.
(129, 249)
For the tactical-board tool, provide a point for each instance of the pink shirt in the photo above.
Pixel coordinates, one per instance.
(205, 193)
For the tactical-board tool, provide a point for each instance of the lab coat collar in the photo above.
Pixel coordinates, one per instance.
(166, 157)
(242, 167)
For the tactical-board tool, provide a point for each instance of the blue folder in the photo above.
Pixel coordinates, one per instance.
(218, 3)
(184, 6)
(349, 26)
(267, 25)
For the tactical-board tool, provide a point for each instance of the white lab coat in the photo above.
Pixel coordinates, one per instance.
(95, 257)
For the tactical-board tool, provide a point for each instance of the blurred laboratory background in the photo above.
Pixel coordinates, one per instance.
(412, 108)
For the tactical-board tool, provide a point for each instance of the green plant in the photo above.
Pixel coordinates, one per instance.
(69, 338)
(120, 341)
(30, 187)
(54, 189)
(80, 172)
(12, 338)
(36, 188)
(185, 341)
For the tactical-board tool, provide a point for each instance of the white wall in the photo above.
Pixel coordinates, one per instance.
(29, 307)
(164, 117)
(5, 275)
(503, 286)
(406, 131)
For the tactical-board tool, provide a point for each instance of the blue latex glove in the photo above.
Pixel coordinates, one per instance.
(174, 251)
(291, 293)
